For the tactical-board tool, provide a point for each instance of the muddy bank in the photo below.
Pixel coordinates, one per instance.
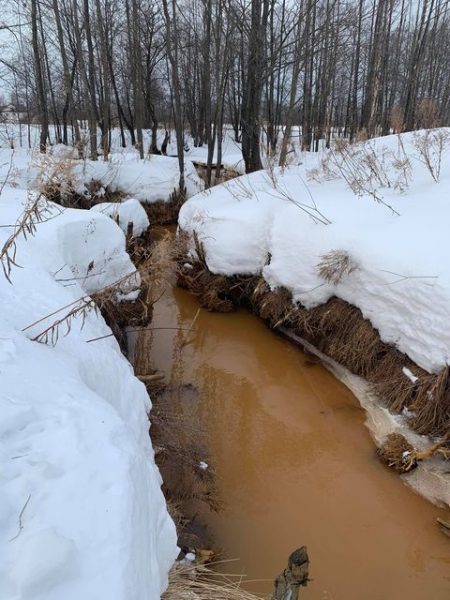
(294, 463)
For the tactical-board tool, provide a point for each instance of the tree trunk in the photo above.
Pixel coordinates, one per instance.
(39, 78)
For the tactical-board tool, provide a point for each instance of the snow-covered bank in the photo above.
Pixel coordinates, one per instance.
(392, 263)
(129, 211)
(151, 180)
(82, 513)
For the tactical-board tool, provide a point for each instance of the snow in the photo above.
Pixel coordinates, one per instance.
(82, 514)
(284, 223)
(153, 179)
(231, 153)
(410, 375)
(129, 211)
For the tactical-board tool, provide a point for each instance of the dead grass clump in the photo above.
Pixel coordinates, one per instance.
(395, 451)
(335, 265)
(391, 384)
(134, 313)
(431, 406)
(339, 330)
(225, 174)
(139, 248)
(215, 292)
(398, 453)
(356, 344)
(216, 295)
(165, 213)
(196, 582)
(66, 195)
(276, 306)
(156, 266)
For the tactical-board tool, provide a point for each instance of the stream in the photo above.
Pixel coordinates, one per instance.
(294, 463)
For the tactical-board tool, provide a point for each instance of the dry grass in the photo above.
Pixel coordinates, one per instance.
(394, 453)
(225, 174)
(36, 211)
(156, 267)
(56, 183)
(432, 145)
(165, 213)
(335, 265)
(213, 291)
(274, 306)
(389, 381)
(431, 405)
(201, 583)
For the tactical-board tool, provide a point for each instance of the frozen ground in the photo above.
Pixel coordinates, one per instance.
(82, 515)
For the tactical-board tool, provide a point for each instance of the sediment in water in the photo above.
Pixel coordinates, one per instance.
(337, 329)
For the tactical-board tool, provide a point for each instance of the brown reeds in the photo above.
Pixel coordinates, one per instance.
(196, 582)
(395, 452)
(431, 406)
(335, 265)
(165, 213)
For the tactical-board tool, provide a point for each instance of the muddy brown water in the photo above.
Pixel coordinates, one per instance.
(295, 464)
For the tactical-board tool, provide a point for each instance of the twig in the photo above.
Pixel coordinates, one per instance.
(8, 173)
(20, 519)
(191, 328)
(102, 337)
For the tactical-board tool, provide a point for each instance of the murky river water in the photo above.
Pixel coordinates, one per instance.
(295, 464)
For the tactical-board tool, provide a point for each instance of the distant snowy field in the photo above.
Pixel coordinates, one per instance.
(375, 210)
(82, 515)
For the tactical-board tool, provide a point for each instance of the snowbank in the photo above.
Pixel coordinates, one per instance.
(82, 515)
(381, 247)
(153, 179)
(129, 211)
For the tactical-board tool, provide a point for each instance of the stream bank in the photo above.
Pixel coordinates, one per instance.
(293, 462)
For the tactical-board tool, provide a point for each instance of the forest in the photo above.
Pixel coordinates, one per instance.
(268, 68)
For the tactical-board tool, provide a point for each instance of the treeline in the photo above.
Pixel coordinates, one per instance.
(329, 67)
